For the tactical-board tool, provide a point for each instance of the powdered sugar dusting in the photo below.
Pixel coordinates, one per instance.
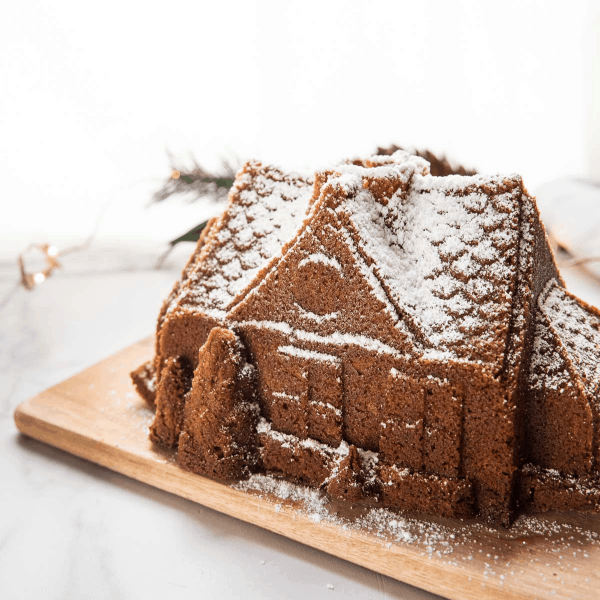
(326, 405)
(314, 317)
(560, 314)
(335, 339)
(308, 354)
(430, 537)
(445, 253)
(319, 257)
(291, 441)
(265, 210)
(579, 331)
(552, 554)
(374, 283)
(342, 339)
(548, 368)
(285, 396)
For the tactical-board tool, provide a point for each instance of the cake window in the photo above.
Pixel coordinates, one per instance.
(324, 412)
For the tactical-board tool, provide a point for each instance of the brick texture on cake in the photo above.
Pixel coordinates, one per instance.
(406, 340)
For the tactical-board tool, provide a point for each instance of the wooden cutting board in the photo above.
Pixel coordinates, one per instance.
(97, 415)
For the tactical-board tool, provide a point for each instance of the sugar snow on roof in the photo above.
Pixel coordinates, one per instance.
(444, 258)
(578, 331)
(268, 209)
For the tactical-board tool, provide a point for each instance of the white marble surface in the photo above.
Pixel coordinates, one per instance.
(71, 529)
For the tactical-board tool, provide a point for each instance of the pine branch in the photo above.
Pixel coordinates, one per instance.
(191, 236)
(197, 182)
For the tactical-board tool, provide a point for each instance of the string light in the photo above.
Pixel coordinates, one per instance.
(30, 280)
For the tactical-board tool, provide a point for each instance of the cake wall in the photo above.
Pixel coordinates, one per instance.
(451, 420)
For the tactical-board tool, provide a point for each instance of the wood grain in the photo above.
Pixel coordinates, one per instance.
(97, 415)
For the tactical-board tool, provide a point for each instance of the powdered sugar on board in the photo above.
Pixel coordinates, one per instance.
(533, 542)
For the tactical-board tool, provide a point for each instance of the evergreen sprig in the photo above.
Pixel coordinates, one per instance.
(196, 183)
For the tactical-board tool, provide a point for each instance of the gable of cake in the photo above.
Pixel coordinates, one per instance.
(575, 328)
(323, 285)
(578, 328)
(266, 208)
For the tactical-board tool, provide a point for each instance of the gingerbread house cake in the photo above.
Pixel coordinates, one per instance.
(386, 335)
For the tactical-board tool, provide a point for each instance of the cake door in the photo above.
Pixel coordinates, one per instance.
(401, 427)
(421, 428)
(364, 396)
(442, 427)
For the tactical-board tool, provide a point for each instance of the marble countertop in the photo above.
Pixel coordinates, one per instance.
(71, 529)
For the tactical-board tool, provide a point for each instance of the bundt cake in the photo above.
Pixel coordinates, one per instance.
(386, 335)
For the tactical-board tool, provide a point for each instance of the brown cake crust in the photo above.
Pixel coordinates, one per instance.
(218, 435)
(205, 235)
(547, 489)
(144, 381)
(413, 492)
(388, 336)
(439, 166)
(173, 389)
(349, 480)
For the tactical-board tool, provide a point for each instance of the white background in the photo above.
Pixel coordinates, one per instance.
(92, 94)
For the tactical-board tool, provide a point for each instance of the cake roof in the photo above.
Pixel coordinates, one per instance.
(439, 252)
(265, 209)
(577, 326)
(445, 251)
